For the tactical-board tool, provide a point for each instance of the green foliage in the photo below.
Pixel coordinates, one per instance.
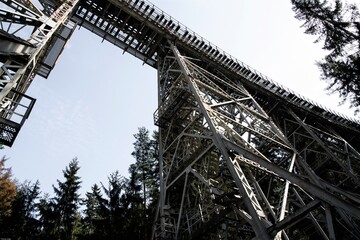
(94, 215)
(113, 206)
(133, 204)
(23, 222)
(145, 170)
(120, 209)
(47, 218)
(145, 175)
(66, 202)
(24, 217)
(337, 25)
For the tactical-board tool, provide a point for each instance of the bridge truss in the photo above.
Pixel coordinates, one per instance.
(241, 156)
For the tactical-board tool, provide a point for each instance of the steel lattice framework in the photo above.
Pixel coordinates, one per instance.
(29, 41)
(241, 156)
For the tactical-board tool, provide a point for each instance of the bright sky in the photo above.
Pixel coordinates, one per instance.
(97, 97)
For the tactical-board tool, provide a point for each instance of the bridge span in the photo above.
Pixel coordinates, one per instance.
(241, 156)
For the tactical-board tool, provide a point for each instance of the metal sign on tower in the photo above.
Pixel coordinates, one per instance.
(241, 157)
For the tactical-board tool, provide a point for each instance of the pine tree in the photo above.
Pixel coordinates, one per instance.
(90, 214)
(155, 171)
(115, 211)
(133, 204)
(23, 222)
(338, 26)
(146, 165)
(145, 172)
(95, 215)
(67, 201)
(48, 218)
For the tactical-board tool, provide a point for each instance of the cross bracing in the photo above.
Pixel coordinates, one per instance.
(240, 155)
(242, 164)
(30, 44)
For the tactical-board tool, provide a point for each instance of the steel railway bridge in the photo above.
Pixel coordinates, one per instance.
(241, 157)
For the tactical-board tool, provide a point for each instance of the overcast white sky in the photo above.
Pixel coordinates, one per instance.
(97, 97)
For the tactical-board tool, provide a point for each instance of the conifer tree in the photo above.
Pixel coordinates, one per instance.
(90, 213)
(67, 200)
(337, 25)
(155, 173)
(146, 165)
(145, 173)
(48, 218)
(133, 204)
(23, 222)
(95, 215)
(114, 208)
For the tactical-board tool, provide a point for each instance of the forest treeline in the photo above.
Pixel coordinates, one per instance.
(122, 208)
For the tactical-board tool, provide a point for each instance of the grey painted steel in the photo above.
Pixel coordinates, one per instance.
(21, 59)
(241, 156)
(111, 27)
(229, 122)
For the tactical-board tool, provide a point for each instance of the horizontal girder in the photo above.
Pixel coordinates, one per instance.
(142, 29)
(226, 162)
(240, 155)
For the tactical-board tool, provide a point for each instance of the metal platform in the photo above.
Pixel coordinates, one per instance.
(241, 156)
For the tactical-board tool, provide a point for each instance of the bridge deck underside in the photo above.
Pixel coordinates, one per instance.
(142, 29)
(241, 156)
(325, 141)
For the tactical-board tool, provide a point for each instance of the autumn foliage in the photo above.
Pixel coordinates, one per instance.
(7, 189)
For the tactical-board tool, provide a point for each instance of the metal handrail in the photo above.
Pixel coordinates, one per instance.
(152, 13)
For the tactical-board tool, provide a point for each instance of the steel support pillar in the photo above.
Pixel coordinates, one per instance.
(220, 150)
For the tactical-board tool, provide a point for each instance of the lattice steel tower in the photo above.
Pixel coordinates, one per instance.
(241, 156)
